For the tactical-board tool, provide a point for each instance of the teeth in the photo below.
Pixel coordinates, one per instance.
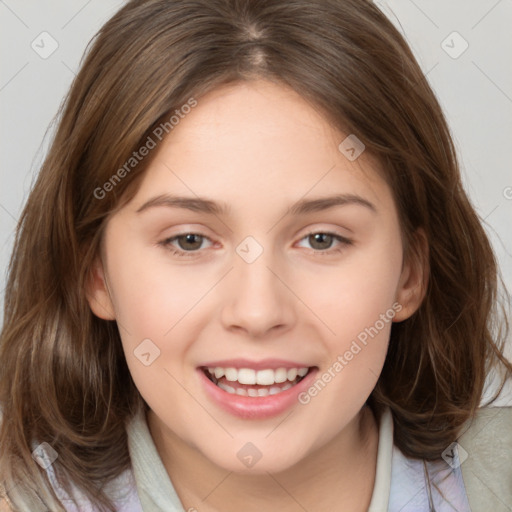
(280, 375)
(245, 376)
(218, 372)
(266, 377)
(231, 374)
(227, 388)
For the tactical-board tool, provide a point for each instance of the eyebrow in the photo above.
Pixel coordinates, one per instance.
(301, 207)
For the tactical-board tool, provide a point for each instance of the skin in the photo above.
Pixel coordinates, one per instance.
(259, 147)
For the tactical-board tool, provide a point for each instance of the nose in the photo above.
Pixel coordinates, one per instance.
(257, 299)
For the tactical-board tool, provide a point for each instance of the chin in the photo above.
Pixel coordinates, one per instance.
(249, 461)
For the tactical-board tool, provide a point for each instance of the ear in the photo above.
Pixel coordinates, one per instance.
(412, 286)
(97, 292)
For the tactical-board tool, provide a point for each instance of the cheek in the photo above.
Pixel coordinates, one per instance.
(352, 295)
(356, 300)
(152, 295)
(359, 307)
(153, 301)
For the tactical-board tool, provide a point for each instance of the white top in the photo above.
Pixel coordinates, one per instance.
(400, 483)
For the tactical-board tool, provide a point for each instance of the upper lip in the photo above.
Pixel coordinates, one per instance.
(263, 364)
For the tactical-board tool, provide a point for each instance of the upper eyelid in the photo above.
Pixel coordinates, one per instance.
(340, 238)
(201, 231)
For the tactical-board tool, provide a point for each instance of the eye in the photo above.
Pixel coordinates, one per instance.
(321, 242)
(188, 243)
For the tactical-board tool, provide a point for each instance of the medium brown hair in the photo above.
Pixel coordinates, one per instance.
(64, 378)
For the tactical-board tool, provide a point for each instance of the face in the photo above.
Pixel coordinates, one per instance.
(282, 257)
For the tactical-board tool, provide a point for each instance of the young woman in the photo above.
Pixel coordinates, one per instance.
(248, 278)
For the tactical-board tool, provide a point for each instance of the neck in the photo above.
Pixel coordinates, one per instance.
(338, 476)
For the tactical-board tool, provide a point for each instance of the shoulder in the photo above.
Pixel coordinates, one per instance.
(485, 454)
(489, 429)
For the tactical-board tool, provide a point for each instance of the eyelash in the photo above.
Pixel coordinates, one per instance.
(188, 254)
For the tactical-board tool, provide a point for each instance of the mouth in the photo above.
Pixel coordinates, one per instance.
(256, 383)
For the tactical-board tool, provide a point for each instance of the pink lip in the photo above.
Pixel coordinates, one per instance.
(247, 407)
(273, 364)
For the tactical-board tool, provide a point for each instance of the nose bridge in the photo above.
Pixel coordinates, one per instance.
(258, 301)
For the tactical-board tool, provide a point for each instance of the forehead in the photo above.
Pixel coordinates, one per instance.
(255, 143)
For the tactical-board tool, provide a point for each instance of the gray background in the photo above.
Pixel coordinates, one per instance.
(474, 88)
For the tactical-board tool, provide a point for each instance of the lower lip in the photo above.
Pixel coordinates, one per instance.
(248, 407)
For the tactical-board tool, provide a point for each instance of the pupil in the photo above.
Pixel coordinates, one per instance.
(189, 239)
(320, 238)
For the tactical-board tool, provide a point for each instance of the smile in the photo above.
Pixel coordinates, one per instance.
(255, 383)
(255, 389)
